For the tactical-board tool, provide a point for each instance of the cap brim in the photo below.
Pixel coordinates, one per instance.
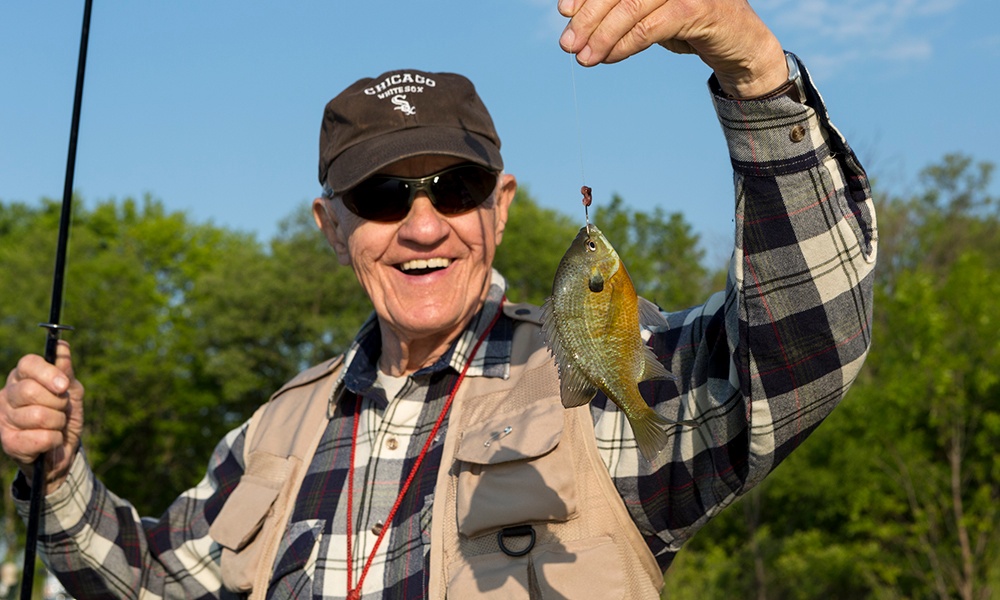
(362, 160)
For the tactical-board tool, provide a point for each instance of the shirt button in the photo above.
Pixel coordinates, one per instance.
(797, 134)
(377, 528)
(392, 443)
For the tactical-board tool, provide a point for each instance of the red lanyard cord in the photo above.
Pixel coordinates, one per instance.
(354, 593)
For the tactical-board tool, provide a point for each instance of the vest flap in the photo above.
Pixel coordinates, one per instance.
(513, 436)
(248, 505)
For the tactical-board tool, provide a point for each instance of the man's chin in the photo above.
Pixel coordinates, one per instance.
(418, 320)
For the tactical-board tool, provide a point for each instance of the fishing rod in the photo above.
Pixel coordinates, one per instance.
(53, 326)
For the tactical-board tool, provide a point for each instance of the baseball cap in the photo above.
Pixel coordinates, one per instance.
(378, 121)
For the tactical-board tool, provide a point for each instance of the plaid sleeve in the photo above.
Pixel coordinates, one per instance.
(763, 363)
(99, 547)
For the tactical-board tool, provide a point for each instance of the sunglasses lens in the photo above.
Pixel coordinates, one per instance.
(462, 189)
(453, 191)
(379, 198)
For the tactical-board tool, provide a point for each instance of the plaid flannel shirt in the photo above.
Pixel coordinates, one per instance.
(760, 366)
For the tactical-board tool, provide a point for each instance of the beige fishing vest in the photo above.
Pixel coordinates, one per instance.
(524, 506)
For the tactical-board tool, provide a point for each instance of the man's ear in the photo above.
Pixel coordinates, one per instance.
(505, 197)
(329, 223)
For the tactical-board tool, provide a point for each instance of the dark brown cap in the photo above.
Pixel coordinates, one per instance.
(400, 114)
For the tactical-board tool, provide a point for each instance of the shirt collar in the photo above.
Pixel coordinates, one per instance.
(492, 360)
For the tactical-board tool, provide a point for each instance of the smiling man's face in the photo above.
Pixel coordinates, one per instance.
(427, 274)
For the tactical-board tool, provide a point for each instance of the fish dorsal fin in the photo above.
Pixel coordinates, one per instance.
(549, 328)
(653, 368)
(650, 315)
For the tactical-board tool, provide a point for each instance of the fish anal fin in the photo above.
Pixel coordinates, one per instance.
(653, 368)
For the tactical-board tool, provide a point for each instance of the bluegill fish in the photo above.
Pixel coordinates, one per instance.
(591, 322)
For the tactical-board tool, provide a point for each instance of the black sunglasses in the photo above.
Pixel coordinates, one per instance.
(452, 191)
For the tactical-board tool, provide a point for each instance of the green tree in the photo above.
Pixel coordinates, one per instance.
(533, 244)
(660, 251)
(130, 268)
(183, 329)
(896, 495)
(934, 387)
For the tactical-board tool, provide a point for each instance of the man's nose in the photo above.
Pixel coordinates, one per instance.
(423, 224)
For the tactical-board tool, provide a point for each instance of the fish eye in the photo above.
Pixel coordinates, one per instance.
(591, 245)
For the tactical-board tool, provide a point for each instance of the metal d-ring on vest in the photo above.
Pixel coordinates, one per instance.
(516, 531)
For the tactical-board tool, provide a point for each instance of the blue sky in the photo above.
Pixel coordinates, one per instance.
(214, 107)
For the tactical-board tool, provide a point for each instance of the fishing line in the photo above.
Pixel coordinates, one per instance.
(576, 106)
(584, 189)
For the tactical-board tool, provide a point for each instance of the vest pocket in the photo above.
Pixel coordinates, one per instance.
(580, 569)
(246, 509)
(588, 568)
(512, 470)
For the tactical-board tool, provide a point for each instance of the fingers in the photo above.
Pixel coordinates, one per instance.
(25, 446)
(53, 378)
(611, 30)
(727, 35)
(32, 420)
(40, 407)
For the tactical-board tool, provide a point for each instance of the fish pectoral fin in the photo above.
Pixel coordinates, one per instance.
(652, 368)
(650, 315)
(574, 388)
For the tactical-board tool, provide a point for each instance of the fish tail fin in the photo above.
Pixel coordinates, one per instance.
(650, 433)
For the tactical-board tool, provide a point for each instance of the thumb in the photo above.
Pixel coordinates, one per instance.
(64, 359)
(61, 457)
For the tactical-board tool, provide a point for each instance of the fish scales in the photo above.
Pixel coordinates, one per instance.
(592, 325)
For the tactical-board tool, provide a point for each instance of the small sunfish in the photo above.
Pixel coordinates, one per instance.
(591, 322)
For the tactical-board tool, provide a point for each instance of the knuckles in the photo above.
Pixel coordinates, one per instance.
(26, 393)
(25, 446)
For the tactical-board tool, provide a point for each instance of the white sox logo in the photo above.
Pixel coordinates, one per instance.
(398, 88)
(403, 105)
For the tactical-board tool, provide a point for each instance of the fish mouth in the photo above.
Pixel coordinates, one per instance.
(423, 266)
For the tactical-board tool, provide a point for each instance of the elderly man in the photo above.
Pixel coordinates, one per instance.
(435, 457)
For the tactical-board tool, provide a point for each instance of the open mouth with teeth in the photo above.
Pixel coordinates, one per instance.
(423, 266)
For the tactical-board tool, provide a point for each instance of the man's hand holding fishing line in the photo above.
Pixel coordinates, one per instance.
(727, 35)
(41, 412)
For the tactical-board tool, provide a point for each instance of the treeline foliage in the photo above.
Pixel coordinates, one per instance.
(897, 495)
(183, 329)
